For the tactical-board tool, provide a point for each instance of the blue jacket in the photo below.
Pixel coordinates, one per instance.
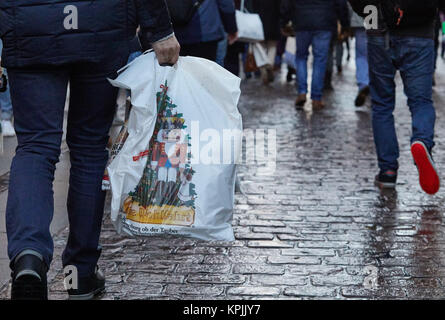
(213, 19)
(34, 33)
(314, 15)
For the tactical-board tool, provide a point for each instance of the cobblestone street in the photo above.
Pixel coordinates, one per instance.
(315, 229)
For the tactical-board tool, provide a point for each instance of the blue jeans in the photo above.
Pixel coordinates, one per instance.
(38, 95)
(5, 104)
(414, 57)
(5, 98)
(221, 51)
(320, 41)
(361, 58)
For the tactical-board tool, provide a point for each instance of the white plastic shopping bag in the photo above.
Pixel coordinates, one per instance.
(175, 173)
(250, 26)
(260, 54)
(289, 54)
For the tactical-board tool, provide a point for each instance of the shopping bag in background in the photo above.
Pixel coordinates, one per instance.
(250, 65)
(250, 26)
(260, 54)
(161, 179)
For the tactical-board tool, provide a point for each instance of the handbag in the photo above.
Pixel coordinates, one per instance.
(250, 26)
(182, 11)
(250, 65)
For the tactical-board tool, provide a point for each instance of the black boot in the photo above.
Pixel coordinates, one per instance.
(88, 287)
(361, 96)
(29, 280)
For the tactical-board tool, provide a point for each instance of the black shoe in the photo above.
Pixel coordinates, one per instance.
(29, 280)
(386, 179)
(361, 97)
(88, 287)
(290, 73)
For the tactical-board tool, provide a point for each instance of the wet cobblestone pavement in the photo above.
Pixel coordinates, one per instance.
(315, 229)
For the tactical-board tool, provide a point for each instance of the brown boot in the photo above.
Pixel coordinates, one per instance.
(301, 100)
(317, 104)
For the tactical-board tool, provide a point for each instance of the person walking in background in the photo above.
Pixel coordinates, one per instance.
(314, 22)
(232, 58)
(403, 42)
(361, 57)
(442, 21)
(200, 36)
(7, 128)
(40, 73)
(269, 11)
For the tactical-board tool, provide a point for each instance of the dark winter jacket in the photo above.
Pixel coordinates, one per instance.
(34, 32)
(269, 11)
(213, 19)
(314, 15)
(425, 30)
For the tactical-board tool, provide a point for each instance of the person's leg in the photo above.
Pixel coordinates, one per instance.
(382, 73)
(417, 67)
(339, 52)
(443, 46)
(320, 47)
(304, 39)
(5, 104)
(271, 51)
(221, 51)
(38, 97)
(330, 65)
(361, 58)
(271, 47)
(232, 61)
(92, 107)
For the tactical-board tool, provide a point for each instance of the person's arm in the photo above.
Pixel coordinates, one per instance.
(156, 30)
(227, 12)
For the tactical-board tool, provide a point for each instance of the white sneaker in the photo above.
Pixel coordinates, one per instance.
(7, 128)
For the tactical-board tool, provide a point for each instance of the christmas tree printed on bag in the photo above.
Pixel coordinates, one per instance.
(165, 194)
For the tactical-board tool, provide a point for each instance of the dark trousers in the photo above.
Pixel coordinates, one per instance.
(231, 61)
(38, 96)
(206, 50)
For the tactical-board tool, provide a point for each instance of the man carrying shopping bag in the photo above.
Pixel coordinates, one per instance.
(51, 45)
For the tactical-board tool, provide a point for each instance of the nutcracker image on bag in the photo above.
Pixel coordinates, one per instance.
(165, 194)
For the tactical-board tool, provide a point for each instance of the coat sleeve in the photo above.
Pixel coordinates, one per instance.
(227, 11)
(154, 21)
(287, 11)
